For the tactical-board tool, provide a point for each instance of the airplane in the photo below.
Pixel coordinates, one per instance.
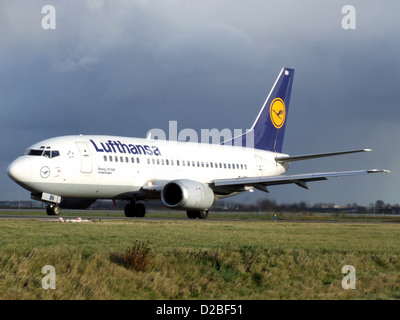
(75, 171)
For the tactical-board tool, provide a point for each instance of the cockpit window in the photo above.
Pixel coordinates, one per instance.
(34, 152)
(45, 153)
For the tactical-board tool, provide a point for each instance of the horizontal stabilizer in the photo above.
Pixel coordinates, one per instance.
(317, 155)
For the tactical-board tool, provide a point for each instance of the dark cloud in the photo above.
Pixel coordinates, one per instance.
(125, 67)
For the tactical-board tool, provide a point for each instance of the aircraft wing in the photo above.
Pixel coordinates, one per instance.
(154, 185)
(317, 155)
(261, 183)
(152, 188)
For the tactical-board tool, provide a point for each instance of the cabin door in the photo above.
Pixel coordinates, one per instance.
(86, 157)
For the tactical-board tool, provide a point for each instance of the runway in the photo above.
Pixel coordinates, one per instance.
(100, 215)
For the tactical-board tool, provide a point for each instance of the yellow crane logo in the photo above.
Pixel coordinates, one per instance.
(277, 113)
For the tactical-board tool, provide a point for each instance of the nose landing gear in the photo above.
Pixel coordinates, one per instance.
(53, 210)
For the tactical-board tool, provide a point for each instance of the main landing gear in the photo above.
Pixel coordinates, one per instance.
(197, 214)
(135, 210)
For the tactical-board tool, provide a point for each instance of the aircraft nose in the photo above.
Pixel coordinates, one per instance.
(20, 169)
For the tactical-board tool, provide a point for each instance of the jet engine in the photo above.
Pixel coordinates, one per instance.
(187, 194)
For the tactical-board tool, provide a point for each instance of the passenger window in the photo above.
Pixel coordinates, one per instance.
(110, 158)
(137, 160)
(105, 158)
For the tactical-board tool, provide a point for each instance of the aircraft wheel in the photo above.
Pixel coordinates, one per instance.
(53, 210)
(140, 210)
(192, 214)
(135, 210)
(129, 210)
(202, 214)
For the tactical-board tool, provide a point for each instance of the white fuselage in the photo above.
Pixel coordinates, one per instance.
(106, 167)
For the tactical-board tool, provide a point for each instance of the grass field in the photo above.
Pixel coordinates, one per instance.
(208, 259)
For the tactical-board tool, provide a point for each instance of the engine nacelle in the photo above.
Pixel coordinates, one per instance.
(187, 194)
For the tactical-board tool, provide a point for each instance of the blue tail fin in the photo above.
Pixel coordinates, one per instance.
(269, 128)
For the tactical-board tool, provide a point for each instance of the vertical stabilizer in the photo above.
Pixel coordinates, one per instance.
(268, 130)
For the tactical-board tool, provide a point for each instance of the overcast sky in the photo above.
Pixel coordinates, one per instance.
(125, 67)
